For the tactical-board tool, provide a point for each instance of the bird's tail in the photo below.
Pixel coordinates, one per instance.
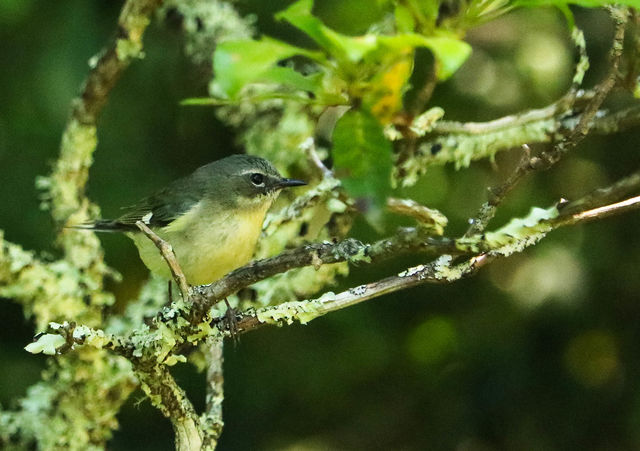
(103, 225)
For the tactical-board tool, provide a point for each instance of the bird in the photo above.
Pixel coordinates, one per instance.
(212, 218)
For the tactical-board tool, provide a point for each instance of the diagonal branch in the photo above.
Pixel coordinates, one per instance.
(439, 271)
(169, 257)
(406, 240)
(572, 137)
(79, 140)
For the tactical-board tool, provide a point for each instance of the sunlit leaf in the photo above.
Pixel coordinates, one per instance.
(362, 159)
(448, 51)
(238, 63)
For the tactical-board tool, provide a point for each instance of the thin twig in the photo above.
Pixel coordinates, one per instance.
(425, 216)
(406, 240)
(430, 273)
(309, 147)
(574, 136)
(497, 195)
(599, 212)
(602, 90)
(412, 277)
(169, 256)
(603, 196)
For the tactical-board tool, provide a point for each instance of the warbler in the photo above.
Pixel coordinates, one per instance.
(212, 218)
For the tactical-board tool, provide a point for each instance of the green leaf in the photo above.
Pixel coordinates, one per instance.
(449, 52)
(239, 63)
(343, 48)
(405, 22)
(362, 159)
(290, 77)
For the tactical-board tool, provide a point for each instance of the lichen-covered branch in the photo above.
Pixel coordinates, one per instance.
(567, 139)
(89, 385)
(165, 394)
(76, 404)
(66, 185)
(211, 420)
(407, 240)
(514, 237)
(563, 122)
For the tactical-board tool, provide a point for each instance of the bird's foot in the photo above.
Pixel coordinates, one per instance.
(231, 321)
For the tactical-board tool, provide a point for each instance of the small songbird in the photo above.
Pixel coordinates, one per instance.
(212, 218)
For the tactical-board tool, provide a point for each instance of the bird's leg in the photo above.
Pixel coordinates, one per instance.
(231, 321)
(170, 293)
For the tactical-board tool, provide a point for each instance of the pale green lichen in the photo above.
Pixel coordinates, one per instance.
(297, 283)
(71, 171)
(12, 260)
(463, 148)
(444, 270)
(521, 233)
(202, 331)
(423, 123)
(46, 344)
(410, 272)
(335, 205)
(127, 49)
(174, 358)
(91, 337)
(277, 136)
(74, 407)
(288, 312)
(583, 64)
(207, 23)
(56, 291)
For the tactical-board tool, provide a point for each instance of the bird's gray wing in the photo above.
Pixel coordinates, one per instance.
(157, 210)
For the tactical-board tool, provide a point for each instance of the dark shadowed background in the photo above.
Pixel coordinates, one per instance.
(539, 351)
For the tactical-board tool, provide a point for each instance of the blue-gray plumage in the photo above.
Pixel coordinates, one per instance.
(212, 218)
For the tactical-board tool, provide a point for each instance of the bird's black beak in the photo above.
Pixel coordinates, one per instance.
(286, 183)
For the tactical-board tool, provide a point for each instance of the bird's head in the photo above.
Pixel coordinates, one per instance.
(246, 181)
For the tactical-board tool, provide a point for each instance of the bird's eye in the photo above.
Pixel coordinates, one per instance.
(257, 179)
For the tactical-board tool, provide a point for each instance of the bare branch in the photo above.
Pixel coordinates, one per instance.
(497, 195)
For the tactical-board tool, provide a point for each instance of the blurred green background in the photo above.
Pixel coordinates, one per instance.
(536, 352)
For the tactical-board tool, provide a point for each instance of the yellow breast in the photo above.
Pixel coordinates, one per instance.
(208, 243)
